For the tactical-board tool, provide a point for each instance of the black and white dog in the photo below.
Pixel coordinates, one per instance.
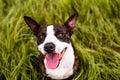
(59, 59)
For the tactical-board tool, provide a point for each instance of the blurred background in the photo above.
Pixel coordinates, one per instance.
(96, 37)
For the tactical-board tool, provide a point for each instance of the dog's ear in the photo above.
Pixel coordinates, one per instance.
(34, 26)
(70, 23)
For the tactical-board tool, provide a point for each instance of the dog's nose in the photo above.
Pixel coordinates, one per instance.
(49, 47)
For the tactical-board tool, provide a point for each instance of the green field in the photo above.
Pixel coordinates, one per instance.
(96, 37)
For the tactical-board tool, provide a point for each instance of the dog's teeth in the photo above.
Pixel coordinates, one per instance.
(61, 54)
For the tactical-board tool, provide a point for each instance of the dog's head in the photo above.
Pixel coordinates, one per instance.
(53, 40)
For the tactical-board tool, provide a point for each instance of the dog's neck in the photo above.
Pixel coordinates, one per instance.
(65, 68)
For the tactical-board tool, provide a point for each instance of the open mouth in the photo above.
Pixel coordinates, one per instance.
(53, 59)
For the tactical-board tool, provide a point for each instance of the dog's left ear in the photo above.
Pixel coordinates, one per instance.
(34, 26)
(70, 23)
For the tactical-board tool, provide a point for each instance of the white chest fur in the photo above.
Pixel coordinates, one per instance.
(65, 68)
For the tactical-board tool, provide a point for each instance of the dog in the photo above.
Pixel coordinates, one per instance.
(58, 59)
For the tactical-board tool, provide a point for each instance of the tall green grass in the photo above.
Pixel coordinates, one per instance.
(96, 37)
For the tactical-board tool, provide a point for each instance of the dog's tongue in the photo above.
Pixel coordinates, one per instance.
(52, 60)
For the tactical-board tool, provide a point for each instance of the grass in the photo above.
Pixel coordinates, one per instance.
(96, 37)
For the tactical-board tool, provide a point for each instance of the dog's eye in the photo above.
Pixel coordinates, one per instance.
(41, 37)
(60, 35)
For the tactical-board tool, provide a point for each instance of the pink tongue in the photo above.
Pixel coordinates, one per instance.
(52, 60)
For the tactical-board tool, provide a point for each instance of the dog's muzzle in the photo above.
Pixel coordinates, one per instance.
(52, 57)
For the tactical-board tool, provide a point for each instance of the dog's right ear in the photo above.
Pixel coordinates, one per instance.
(70, 23)
(34, 26)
